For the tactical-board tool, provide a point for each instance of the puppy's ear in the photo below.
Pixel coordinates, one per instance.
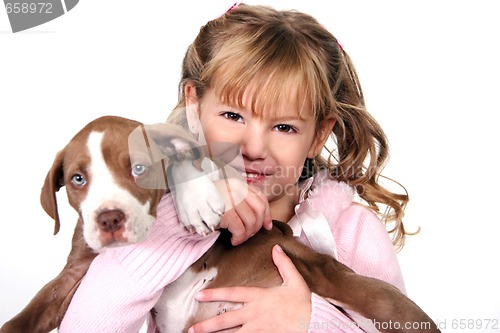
(53, 182)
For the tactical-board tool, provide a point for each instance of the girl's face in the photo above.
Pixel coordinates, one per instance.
(274, 146)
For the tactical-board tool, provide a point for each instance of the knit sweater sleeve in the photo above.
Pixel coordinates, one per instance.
(361, 242)
(123, 283)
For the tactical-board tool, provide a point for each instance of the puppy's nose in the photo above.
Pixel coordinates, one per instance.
(111, 220)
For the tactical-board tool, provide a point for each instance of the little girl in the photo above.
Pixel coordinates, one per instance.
(280, 86)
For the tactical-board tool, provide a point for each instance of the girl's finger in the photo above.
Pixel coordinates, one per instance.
(231, 221)
(260, 206)
(218, 323)
(286, 268)
(241, 232)
(229, 294)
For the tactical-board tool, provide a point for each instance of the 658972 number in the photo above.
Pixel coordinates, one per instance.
(471, 324)
(28, 8)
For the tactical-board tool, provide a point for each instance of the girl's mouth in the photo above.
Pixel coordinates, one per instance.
(253, 177)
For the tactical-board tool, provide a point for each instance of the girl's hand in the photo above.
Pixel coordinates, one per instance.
(278, 309)
(247, 209)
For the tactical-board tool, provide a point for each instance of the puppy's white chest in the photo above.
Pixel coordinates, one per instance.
(177, 305)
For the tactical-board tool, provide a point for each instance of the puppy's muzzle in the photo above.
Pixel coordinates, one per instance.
(111, 221)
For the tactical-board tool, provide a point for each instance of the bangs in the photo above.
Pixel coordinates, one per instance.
(276, 73)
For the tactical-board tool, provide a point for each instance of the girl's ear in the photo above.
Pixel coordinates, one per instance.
(325, 129)
(192, 108)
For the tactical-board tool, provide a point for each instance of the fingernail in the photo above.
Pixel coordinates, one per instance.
(278, 248)
(191, 330)
(198, 296)
(269, 225)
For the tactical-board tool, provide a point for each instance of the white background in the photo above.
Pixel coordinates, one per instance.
(430, 72)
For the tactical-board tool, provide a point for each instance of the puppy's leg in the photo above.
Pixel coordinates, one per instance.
(374, 299)
(47, 308)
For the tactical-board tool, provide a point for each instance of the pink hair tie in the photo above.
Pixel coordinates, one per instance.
(340, 45)
(235, 4)
(336, 40)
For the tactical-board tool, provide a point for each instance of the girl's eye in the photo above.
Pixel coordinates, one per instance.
(233, 116)
(284, 128)
(138, 170)
(78, 180)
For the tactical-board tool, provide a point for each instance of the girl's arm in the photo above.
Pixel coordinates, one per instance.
(124, 283)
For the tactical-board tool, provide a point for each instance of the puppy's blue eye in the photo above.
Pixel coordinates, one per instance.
(78, 180)
(138, 170)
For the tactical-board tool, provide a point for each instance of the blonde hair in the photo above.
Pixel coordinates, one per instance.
(288, 53)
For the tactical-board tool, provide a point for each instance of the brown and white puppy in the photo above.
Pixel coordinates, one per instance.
(102, 171)
(102, 168)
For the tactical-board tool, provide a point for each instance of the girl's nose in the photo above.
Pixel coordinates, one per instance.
(254, 143)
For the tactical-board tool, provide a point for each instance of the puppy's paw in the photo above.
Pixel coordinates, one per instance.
(199, 204)
(202, 223)
(205, 211)
(211, 212)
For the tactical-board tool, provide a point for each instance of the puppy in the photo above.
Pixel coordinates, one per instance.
(101, 169)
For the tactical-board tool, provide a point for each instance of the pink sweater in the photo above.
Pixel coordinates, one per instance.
(124, 283)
